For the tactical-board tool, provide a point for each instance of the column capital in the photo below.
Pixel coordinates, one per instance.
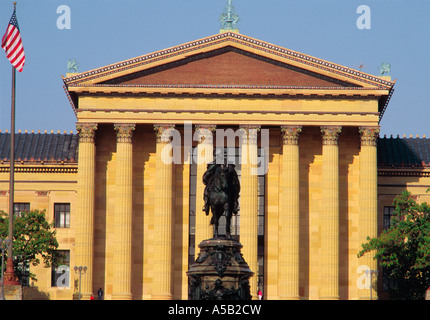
(369, 135)
(205, 132)
(124, 132)
(249, 127)
(251, 131)
(162, 132)
(330, 134)
(210, 127)
(290, 134)
(86, 131)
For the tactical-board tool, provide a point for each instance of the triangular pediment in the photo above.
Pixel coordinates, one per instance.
(227, 59)
(228, 66)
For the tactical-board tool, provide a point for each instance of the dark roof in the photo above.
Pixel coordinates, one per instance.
(37, 147)
(404, 152)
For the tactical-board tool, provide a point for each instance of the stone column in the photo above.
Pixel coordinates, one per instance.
(123, 212)
(289, 215)
(330, 214)
(163, 215)
(368, 197)
(84, 247)
(249, 202)
(205, 151)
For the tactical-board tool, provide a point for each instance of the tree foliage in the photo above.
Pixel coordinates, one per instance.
(34, 240)
(403, 250)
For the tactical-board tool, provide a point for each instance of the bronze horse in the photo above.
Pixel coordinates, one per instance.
(221, 194)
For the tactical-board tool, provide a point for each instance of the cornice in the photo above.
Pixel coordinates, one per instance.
(404, 172)
(119, 89)
(72, 169)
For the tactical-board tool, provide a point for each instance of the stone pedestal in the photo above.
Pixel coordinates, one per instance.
(220, 272)
(13, 292)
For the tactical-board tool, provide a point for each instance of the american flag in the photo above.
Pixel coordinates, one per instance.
(12, 44)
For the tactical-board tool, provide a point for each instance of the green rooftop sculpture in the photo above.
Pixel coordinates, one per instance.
(72, 66)
(229, 19)
(384, 69)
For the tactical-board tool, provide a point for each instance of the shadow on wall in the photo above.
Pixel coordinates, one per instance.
(33, 293)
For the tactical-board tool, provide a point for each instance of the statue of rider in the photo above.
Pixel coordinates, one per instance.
(208, 177)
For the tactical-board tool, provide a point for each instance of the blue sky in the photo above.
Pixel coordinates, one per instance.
(107, 31)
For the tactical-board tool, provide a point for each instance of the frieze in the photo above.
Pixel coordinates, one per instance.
(218, 111)
(42, 193)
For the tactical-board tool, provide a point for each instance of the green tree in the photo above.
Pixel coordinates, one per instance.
(403, 250)
(34, 241)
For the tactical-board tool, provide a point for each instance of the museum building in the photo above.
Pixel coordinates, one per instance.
(126, 193)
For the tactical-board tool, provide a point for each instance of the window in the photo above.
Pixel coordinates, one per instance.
(20, 207)
(23, 272)
(388, 213)
(386, 281)
(60, 274)
(62, 215)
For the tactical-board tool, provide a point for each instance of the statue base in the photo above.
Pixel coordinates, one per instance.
(219, 272)
(13, 292)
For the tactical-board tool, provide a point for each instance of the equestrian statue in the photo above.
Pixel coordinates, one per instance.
(221, 193)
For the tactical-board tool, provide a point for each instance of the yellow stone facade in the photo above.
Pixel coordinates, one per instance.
(130, 204)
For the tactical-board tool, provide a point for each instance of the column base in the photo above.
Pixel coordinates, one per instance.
(122, 296)
(289, 297)
(166, 296)
(375, 297)
(85, 296)
(330, 298)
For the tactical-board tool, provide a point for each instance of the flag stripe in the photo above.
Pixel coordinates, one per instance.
(12, 44)
(12, 32)
(17, 55)
(18, 59)
(20, 64)
(12, 48)
(10, 35)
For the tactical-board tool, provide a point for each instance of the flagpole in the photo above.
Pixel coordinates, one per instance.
(12, 162)
(10, 276)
